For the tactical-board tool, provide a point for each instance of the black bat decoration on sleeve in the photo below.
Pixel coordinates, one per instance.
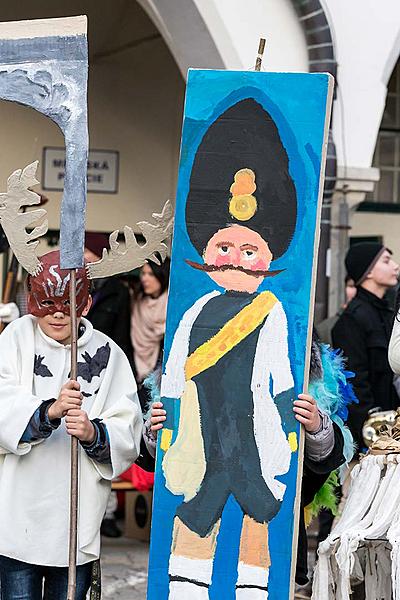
(92, 366)
(41, 369)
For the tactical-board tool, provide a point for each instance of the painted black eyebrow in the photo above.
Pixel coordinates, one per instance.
(229, 244)
(248, 246)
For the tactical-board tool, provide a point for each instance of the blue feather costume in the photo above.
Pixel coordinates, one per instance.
(333, 392)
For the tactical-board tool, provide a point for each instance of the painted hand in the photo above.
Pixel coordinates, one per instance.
(79, 425)
(306, 411)
(69, 398)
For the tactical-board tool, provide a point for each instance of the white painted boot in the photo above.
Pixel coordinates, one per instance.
(195, 576)
(185, 590)
(251, 594)
(252, 583)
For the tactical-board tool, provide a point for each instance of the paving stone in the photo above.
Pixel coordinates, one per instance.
(124, 569)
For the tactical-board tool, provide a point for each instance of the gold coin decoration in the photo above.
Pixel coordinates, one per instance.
(243, 204)
(243, 207)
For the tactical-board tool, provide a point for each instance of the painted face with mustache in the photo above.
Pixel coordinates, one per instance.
(237, 259)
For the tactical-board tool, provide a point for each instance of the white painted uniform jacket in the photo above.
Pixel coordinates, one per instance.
(271, 363)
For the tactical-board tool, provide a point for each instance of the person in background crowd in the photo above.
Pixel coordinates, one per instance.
(110, 311)
(110, 314)
(147, 331)
(324, 329)
(363, 332)
(148, 323)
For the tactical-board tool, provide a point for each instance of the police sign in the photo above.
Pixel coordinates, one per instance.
(102, 170)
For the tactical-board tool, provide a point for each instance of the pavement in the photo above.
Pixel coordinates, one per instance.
(124, 569)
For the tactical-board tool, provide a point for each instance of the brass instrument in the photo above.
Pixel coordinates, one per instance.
(377, 419)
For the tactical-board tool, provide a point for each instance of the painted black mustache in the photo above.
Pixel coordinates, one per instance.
(212, 268)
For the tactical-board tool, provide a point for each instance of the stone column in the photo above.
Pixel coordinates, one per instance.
(352, 185)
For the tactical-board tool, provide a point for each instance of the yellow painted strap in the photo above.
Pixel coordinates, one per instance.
(292, 439)
(231, 334)
(166, 439)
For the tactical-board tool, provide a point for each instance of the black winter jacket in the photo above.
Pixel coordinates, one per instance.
(315, 475)
(111, 312)
(363, 333)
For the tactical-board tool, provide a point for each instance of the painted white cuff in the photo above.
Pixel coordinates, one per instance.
(251, 575)
(194, 569)
(184, 590)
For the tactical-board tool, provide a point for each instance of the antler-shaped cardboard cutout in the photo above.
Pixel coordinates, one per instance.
(118, 260)
(15, 221)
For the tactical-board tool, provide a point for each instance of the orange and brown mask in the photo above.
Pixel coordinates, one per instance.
(48, 291)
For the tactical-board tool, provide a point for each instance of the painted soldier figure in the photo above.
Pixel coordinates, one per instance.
(229, 363)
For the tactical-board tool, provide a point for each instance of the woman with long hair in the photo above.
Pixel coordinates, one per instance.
(148, 322)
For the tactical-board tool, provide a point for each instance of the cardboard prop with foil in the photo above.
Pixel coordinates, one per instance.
(43, 65)
(238, 332)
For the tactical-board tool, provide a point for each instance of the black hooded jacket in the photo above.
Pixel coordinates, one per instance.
(363, 333)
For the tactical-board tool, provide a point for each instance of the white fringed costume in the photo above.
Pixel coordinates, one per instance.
(35, 477)
(365, 544)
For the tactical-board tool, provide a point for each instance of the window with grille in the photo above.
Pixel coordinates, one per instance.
(387, 152)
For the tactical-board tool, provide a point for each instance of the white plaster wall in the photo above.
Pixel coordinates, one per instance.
(367, 43)
(384, 224)
(237, 26)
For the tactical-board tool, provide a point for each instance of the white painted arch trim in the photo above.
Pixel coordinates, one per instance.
(223, 34)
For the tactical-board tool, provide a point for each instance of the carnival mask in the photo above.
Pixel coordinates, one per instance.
(48, 291)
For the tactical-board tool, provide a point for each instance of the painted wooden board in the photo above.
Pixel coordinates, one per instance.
(238, 335)
(44, 65)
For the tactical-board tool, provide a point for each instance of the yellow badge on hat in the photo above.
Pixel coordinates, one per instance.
(243, 205)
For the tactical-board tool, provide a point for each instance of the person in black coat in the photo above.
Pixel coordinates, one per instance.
(110, 311)
(363, 332)
(110, 314)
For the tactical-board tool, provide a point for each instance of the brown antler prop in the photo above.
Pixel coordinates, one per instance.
(120, 259)
(15, 221)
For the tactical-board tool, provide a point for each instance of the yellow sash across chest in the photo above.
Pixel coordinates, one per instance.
(184, 463)
(230, 335)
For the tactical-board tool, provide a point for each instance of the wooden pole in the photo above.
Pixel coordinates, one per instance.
(73, 516)
(261, 48)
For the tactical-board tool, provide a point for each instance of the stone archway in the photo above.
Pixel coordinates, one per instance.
(185, 32)
(215, 35)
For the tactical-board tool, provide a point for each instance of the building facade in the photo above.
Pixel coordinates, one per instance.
(139, 55)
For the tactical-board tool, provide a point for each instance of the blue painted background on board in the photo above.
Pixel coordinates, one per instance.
(297, 104)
